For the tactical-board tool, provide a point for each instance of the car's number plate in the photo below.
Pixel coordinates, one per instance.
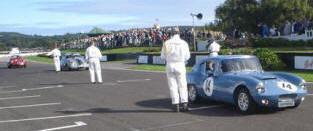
(286, 103)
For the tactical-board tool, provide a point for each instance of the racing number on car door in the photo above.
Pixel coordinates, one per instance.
(208, 86)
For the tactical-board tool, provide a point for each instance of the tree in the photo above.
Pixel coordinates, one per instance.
(239, 14)
(247, 14)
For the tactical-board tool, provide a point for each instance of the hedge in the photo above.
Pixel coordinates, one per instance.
(268, 42)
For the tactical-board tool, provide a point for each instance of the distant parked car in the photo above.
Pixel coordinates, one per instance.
(73, 61)
(17, 62)
(241, 81)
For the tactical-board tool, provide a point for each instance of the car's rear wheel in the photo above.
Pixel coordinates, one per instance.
(192, 94)
(244, 102)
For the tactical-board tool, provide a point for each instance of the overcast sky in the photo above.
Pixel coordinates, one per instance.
(50, 17)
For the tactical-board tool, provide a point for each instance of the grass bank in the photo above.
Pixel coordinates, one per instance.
(121, 50)
(40, 59)
(307, 75)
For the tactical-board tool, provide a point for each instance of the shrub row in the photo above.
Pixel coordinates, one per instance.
(268, 58)
(267, 42)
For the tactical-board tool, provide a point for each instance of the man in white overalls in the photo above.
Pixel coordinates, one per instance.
(176, 53)
(214, 48)
(93, 55)
(56, 54)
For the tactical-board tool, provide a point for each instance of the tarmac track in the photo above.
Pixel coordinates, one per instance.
(37, 98)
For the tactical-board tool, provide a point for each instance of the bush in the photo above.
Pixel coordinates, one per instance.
(267, 42)
(152, 49)
(269, 60)
(238, 51)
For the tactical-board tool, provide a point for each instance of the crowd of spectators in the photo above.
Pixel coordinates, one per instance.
(294, 27)
(131, 38)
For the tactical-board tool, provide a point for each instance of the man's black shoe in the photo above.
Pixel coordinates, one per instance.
(185, 107)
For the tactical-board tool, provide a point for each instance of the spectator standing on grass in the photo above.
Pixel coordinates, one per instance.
(273, 31)
(287, 28)
(214, 48)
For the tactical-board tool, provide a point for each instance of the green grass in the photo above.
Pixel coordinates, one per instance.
(156, 50)
(131, 50)
(307, 75)
(40, 59)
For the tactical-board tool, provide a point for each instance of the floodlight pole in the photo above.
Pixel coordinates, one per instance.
(194, 31)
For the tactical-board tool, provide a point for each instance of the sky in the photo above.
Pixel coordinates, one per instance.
(56, 17)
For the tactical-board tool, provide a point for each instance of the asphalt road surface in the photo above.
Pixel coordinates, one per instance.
(37, 98)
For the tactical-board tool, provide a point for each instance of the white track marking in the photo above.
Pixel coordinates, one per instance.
(3, 87)
(77, 124)
(21, 97)
(31, 89)
(205, 107)
(46, 118)
(310, 94)
(42, 88)
(135, 80)
(25, 106)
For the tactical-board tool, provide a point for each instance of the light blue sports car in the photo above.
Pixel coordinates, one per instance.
(241, 81)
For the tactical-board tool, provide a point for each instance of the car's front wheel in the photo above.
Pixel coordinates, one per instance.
(244, 102)
(192, 94)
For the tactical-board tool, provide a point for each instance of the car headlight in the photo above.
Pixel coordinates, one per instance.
(260, 88)
(302, 85)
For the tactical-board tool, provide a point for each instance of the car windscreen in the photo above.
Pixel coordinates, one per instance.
(241, 64)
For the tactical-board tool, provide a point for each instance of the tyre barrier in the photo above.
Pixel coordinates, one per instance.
(293, 60)
(155, 59)
(297, 60)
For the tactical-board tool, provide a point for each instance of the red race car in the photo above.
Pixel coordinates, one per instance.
(17, 61)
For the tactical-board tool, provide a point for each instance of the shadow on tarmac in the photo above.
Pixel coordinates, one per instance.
(211, 108)
(109, 110)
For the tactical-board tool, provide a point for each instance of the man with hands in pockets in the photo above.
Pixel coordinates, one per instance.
(176, 53)
(93, 56)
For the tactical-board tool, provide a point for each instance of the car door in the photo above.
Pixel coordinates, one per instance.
(212, 81)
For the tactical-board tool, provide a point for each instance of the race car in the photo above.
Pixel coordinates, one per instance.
(16, 62)
(240, 80)
(73, 61)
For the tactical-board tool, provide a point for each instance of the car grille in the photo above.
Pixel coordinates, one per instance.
(288, 96)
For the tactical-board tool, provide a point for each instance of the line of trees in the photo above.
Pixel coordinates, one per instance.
(245, 15)
(11, 39)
